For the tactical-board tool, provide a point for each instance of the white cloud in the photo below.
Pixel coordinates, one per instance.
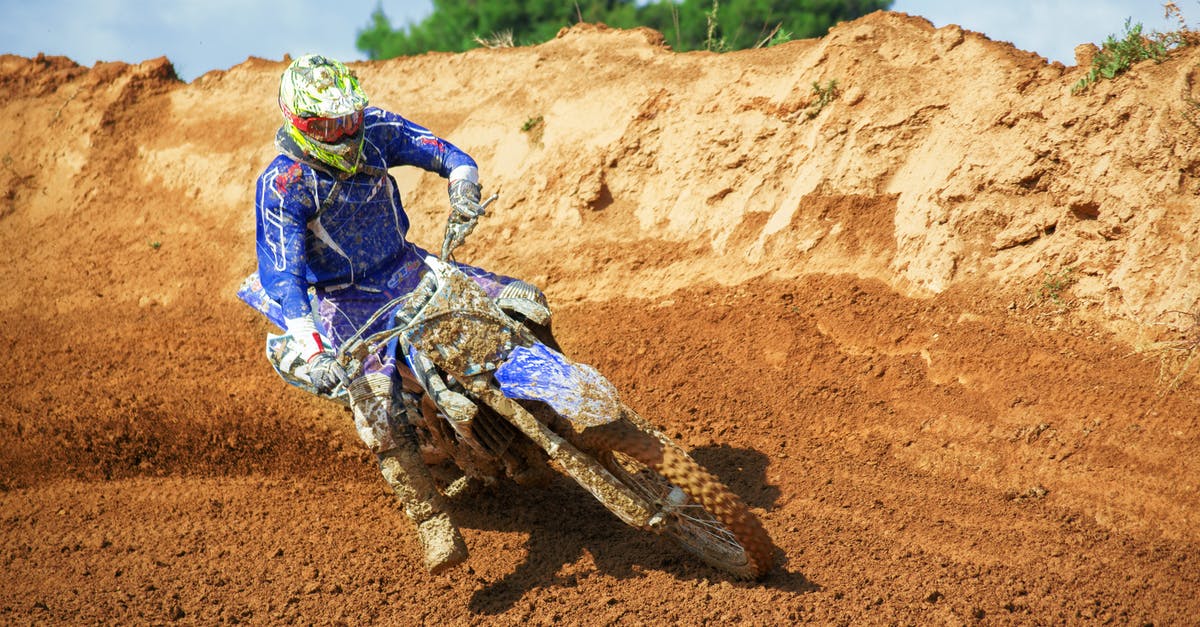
(1051, 28)
(196, 35)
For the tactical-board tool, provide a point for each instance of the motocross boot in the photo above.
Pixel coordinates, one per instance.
(409, 478)
(392, 438)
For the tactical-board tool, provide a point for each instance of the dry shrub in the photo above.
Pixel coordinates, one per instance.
(1177, 356)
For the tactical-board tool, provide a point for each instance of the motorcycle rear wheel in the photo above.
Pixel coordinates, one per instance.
(696, 510)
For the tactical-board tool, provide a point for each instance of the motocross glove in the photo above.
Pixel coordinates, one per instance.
(326, 373)
(464, 200)
(464, 213)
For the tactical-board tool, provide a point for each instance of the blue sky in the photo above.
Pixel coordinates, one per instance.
(202, 35)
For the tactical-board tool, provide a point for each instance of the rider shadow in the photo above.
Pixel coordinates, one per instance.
(563, 523)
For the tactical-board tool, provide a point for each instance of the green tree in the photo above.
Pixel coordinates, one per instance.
(458, 25)
(739, 24)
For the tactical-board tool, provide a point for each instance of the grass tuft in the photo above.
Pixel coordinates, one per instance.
(1116, 56)
(1054, 284)
(711, 42)
(502, 39)
(823, 96)
(534, 127)
(532, 123)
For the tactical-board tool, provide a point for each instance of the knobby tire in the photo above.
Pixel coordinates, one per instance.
(726, 534)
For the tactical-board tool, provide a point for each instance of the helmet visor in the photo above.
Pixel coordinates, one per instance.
(328, 130)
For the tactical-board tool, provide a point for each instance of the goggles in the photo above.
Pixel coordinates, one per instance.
(328, 130)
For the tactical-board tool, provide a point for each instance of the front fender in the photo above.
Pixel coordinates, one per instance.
(577, 392)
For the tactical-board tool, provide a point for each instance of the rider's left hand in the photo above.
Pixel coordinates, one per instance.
(464, 213)
(464, 200)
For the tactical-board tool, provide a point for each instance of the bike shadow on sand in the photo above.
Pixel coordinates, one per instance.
(565, 524)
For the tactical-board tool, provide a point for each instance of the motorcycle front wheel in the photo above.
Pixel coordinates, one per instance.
(693, 508)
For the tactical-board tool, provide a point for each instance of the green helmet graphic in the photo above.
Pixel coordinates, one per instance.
(322, 104)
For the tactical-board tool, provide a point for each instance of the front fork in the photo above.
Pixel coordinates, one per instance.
(611, 492)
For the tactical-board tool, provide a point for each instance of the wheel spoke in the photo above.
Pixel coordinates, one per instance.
(691, 524)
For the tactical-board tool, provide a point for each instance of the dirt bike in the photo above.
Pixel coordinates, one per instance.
(493, 401)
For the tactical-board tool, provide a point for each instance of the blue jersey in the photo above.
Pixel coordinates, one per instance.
(304, 237)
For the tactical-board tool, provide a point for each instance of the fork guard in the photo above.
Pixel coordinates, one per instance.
(618, 498)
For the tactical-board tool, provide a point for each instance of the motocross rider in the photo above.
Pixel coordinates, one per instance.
(329, 217)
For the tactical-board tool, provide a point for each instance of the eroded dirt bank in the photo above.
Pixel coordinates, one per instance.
(912, 328)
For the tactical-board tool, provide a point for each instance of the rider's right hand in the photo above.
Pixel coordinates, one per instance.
(326, 373)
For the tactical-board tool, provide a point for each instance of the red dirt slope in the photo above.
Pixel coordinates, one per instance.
(931, 331)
